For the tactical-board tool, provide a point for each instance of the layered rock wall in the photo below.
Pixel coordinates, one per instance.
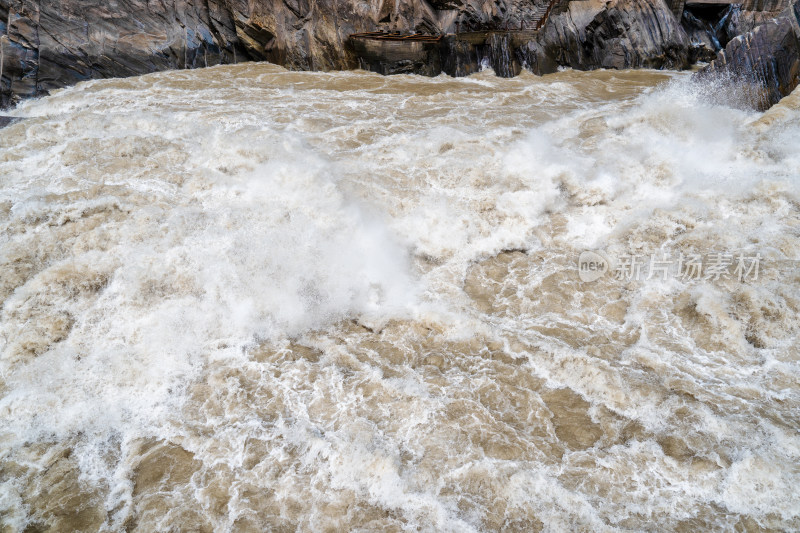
(46, 44)
(763, 65)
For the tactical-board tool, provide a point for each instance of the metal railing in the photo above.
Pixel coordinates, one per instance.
(543, 19)
(396, 36)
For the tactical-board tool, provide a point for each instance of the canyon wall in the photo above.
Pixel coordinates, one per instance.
(46, 45)
(761, 66)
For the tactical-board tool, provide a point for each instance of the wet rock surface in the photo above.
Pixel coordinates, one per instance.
(7, 121)
(763, 65)
(582, 35)
(746, 17)
(47, 45)
(617, 34)
(710, 27)
(706, 33)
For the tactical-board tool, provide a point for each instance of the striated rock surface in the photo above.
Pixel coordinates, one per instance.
(634, 34)
(584, 34)
(49, 44)
(617, 34)
(764, 64)
(711, 27)
(46, 45)
(745, 17)
(706, 31)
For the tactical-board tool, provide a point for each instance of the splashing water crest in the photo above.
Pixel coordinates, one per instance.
(246, 299)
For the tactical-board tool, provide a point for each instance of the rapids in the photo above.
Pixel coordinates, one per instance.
(247, 299)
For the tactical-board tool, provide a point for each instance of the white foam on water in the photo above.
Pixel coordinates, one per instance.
(189, 272)
(186, 230)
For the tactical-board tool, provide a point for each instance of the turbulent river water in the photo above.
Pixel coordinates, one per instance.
(247, 299)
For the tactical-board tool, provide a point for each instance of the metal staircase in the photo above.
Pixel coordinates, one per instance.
(541, 13)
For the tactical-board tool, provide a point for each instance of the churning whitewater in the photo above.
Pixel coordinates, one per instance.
(247, 299)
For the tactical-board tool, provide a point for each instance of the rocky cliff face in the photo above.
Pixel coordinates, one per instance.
(617, 34)
(762, 65)
(711, 27)
(750, 14)
(46, 44)
(583, 35)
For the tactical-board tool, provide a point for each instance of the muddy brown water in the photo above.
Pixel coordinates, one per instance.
(246, 299)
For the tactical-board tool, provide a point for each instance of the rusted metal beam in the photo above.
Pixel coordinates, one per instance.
(396, 36)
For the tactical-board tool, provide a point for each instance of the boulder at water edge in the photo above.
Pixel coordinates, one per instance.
(763, 64)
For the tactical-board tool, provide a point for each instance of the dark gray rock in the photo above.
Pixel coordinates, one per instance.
(7, 121)
(711, 27)
(398, 57)
(703, 34)
(48, 44)
(617, 34)
(763, 65)
(744, 18)
(460, 58)
(636, 34)
(583, 35)
(534, 57)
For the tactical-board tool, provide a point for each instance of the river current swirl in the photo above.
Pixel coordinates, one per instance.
(247, 299)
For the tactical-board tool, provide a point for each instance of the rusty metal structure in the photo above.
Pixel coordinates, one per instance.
(542, 16)
(397, 36)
